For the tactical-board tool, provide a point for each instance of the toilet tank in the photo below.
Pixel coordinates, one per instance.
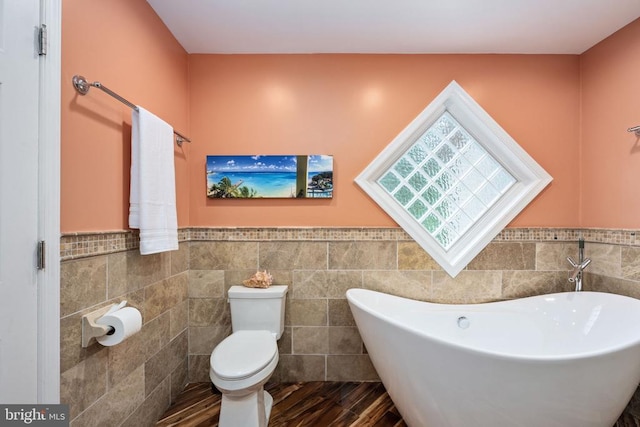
(258, 309)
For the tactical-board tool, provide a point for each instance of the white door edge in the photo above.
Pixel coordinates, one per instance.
(49, 207)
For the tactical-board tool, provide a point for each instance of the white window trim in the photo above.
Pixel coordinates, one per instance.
(530, 177)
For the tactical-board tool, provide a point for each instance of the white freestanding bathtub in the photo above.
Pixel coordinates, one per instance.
(560, 360)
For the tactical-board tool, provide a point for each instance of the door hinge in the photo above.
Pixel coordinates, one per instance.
(41, 253)
(42, 40)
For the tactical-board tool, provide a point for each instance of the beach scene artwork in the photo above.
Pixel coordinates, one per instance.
(270, 176)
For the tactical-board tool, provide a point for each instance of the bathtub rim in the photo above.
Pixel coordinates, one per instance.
(563, 358)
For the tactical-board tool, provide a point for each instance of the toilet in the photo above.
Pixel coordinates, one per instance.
(244, 361)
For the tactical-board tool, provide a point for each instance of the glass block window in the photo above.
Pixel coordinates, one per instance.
(446, 183)
(453, 179)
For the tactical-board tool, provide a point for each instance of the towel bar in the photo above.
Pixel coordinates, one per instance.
(82, 87)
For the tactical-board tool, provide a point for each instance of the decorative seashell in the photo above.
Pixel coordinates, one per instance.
(262, 279)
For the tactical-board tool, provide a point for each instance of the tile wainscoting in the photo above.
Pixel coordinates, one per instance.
(131, 383)
(181, 295)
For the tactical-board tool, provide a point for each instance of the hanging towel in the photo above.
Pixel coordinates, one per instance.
(152, 200)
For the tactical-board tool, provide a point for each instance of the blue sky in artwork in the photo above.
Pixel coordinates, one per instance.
(320, 163)
(317, 163)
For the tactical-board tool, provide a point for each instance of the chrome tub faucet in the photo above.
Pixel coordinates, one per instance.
(578, 267)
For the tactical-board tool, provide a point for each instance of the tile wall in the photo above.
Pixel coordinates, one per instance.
(132, 383)
(182, 297)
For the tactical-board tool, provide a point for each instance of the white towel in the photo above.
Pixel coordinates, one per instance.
(152, 199)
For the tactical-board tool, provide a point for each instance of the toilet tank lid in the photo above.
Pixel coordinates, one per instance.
(277, 291)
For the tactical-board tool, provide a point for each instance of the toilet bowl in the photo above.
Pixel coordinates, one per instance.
(245, 360)
(240, 366)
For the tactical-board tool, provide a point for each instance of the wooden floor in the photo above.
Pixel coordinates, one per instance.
(314, 404)
(298, 404)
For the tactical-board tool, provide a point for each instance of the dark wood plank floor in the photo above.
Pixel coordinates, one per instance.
(314, 404)
(296, 404)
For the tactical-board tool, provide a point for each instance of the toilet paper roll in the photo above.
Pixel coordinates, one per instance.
(126, 322)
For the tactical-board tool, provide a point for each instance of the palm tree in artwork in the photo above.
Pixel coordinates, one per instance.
(246, 192)
(226, 188)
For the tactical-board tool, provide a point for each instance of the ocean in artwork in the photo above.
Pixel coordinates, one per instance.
(266, 184)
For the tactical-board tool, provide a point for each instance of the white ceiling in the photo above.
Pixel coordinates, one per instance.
(393, 26)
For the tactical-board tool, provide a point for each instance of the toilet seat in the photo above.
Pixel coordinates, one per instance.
(243, 354)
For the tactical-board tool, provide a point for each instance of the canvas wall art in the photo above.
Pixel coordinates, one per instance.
(270, 176)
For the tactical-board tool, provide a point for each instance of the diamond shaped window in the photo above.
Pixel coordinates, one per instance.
(453, 179)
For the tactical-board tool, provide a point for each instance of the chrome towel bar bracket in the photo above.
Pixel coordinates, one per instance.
(635, 129)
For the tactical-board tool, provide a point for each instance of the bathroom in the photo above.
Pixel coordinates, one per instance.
(569, 112)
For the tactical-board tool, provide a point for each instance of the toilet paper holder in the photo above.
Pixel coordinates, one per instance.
(90, 329)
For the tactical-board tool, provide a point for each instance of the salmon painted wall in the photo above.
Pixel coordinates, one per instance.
(352, 106)
(124, 45)
(610, 155)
